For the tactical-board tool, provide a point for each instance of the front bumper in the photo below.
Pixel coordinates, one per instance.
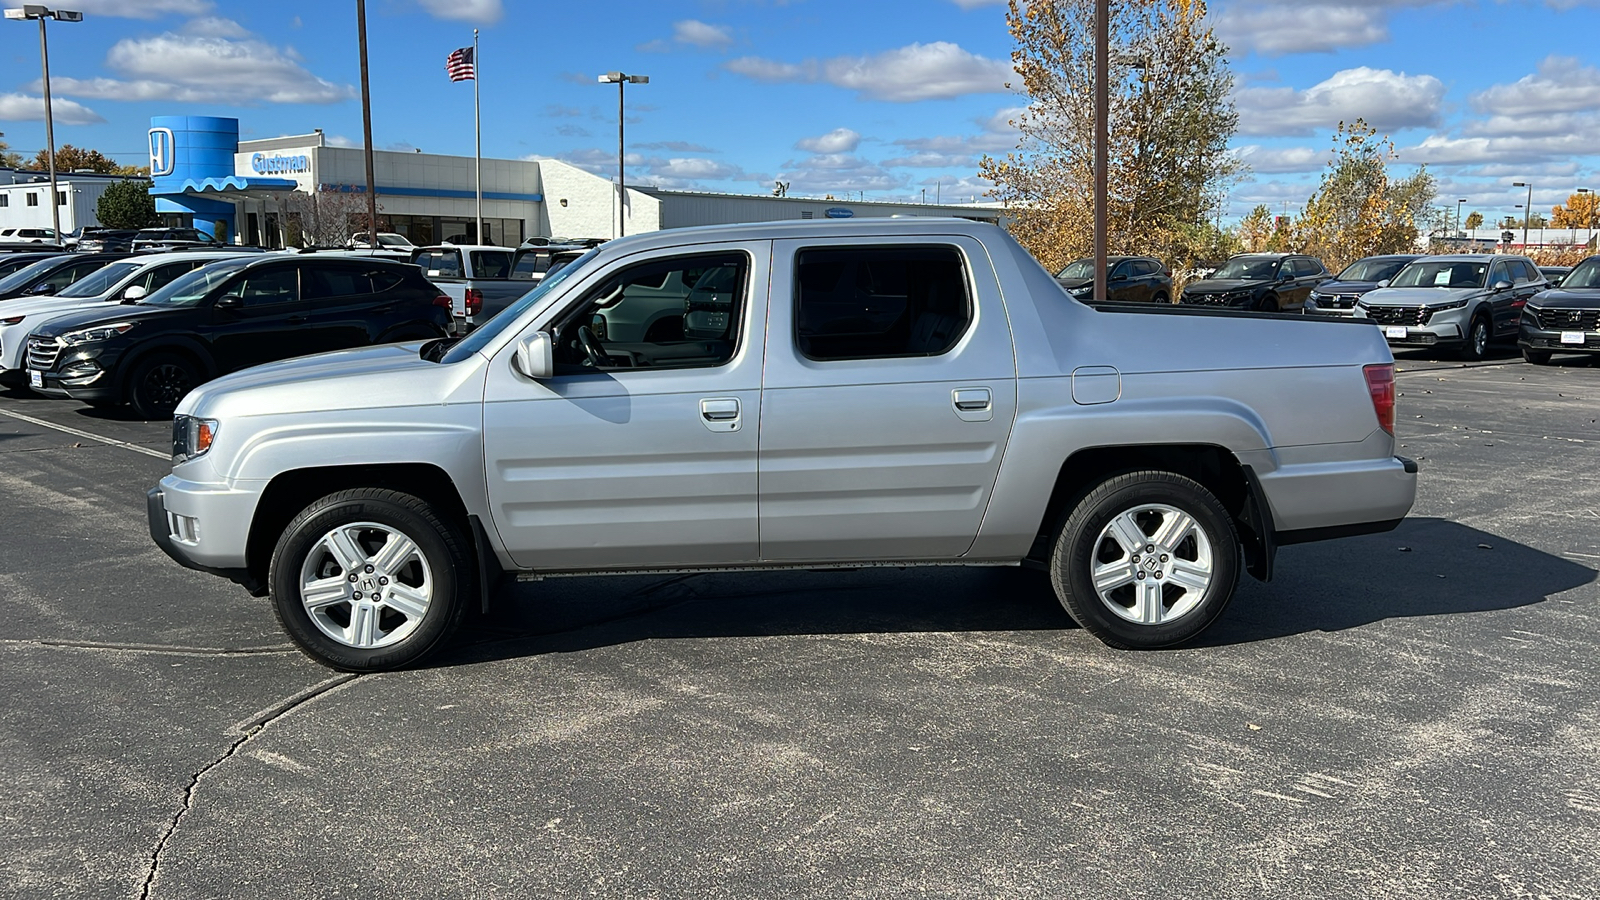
(1530, 337)
(203, 527)
(1444, 326)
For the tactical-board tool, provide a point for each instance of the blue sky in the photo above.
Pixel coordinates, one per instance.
(886, 97)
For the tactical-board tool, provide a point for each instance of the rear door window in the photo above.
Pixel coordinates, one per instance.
(880, 302)
(268, 287)
(491, 264)
(334, 283)
(440, 263)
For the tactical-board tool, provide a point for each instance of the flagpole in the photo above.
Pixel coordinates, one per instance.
(477, 127)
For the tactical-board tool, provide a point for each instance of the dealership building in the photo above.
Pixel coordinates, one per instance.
(261, 192)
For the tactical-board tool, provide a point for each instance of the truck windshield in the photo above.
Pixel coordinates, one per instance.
(189, 289)
(1442, 274)
(476, 341)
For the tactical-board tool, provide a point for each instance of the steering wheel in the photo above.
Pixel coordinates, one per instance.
(591, 346)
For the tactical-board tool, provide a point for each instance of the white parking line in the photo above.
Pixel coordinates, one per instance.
(84, 434)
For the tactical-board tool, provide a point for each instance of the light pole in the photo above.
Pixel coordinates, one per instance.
(1588, 220)
(33, 11)
(1526, 212)
(1459, 235)
(621, 80)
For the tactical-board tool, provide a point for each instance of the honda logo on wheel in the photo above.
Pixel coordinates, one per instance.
(161, 161)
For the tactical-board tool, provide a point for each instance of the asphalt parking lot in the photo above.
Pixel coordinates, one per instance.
(1415, 714)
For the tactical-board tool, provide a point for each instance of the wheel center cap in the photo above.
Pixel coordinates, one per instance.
(369, 584)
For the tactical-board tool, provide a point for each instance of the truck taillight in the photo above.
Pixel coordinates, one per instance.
(442, 300)
(474, 301)
(1380, 384)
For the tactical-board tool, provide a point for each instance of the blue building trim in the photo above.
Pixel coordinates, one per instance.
(459, 195)
(235, 183)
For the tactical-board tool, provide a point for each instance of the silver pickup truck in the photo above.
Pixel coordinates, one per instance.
(806, 395)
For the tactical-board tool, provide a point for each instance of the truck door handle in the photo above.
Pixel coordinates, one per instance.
(971, 399)
(720, 414)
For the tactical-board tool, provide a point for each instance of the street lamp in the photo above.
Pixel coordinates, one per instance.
(33, 11)
(621, 80)
(1588, 220)
(1526, 212)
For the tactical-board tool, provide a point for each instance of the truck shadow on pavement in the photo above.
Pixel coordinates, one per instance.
(1330, 586)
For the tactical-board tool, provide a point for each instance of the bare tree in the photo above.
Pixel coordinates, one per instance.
(326, 217)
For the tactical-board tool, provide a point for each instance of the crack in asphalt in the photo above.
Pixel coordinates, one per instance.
(151, 648)
(249, 729)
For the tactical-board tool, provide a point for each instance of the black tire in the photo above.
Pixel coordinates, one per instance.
(1085, 541)
(1269, 303)
(1537, 357)
(442, 563)
(1160, 298)
(159, 382)
(1479, 334)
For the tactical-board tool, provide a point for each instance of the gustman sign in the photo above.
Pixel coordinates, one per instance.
(262, 164)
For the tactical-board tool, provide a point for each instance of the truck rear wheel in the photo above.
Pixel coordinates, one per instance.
(1147, 559)
(368, 580)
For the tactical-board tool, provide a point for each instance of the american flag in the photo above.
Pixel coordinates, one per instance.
(460, 66)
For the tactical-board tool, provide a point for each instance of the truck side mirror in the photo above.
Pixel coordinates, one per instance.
(535, 356)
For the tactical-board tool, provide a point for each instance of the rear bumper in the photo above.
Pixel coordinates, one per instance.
(1318, 500)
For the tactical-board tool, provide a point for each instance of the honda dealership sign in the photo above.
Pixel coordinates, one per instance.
(161, 156)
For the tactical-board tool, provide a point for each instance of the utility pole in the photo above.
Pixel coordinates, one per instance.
(366, 128)
(1527, 211)
(1102, 134)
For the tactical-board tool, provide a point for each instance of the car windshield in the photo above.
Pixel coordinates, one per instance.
(98, 282)
(1442, 273)
(1248, 268)
(28, 276)
(1083, 268)
(1371, 270)
(476, 341)
(189, 289)
(393, 240)
(1585, 275)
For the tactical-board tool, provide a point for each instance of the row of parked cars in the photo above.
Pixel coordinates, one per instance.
(1461, 302)
(112, 328)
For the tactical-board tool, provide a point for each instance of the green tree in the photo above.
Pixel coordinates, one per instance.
(1358, 210)
(1171, 117)
(1474, 220)
(71, 159)
(1255, 229)
(127, 204)
(9, 159)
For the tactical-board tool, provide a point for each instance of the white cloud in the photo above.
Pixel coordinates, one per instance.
(1274, 160)
(700, 34)
(1388, 101)
(216, 26)
(954, 151)
(481, 11)
(1550, 117)
(1563, 84)
(836, 173)
(24, 108)
(839, 140)
(939, 70)
(142, 9)
(200, 68)
(1278, 30)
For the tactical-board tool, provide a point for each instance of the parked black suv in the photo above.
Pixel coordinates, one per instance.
(174, 239)
(1266, 282)
(1129, 279)
(119, 240)
(1564, 319)
(1338, 297)
(230, 315)
(51, 274)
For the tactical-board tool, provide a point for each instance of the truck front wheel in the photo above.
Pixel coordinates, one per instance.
(1147, 559)
(368, 580)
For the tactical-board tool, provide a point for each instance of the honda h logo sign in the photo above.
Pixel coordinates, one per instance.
(161, 161)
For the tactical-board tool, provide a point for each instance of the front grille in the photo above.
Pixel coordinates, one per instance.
(1569, 319)
(1209, 299)
(1398, 315)
(42, 353)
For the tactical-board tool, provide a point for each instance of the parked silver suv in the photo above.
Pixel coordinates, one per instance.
(1461, 302)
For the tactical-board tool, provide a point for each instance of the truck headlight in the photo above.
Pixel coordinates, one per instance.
(96, 333)
(192, 437)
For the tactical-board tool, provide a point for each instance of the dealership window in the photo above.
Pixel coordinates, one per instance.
(33, 198)
(61, 198)
(878, 302)
(5, 200)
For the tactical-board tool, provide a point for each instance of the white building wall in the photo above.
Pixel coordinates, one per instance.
(82, 199)
(580, 204)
